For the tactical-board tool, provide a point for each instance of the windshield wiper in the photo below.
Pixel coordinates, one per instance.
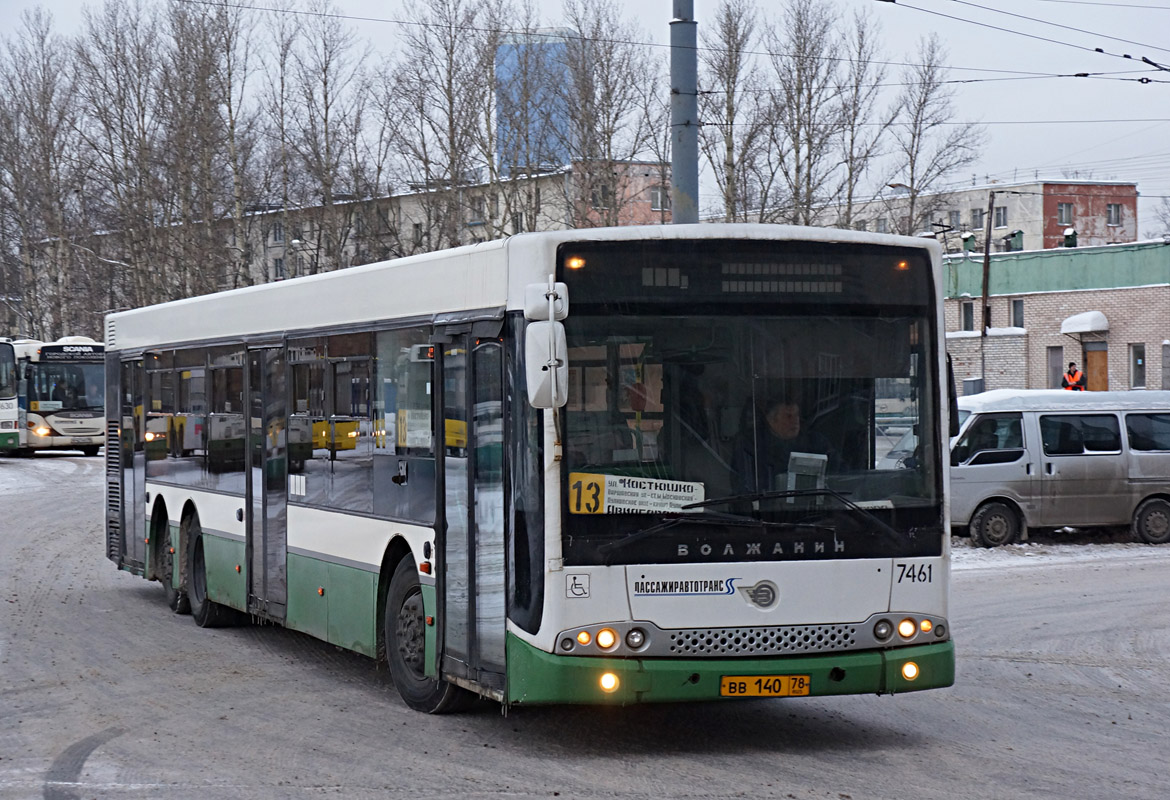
(668, 521)
(757, 496)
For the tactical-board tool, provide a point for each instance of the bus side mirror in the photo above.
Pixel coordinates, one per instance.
(952, 398)
(546, 360)
(546, 353)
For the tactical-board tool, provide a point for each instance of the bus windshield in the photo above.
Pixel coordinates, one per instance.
(66, 387)
(773, 422)
(7, 371)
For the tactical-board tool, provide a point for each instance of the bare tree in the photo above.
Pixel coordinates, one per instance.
(927, 145)
(39, 176)
(862, 133)
(734, 122)
(805, 112)
(606, 126)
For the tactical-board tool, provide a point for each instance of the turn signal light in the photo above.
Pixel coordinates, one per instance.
(584, 638)
(925, 625)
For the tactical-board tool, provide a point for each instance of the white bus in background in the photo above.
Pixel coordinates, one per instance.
(9, 417)
(61, 394)
(553, 487)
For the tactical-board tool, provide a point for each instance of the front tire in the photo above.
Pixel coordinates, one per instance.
(90, 451)
(206, 612)
(994, 525)
(405, 632)
(1151, 521)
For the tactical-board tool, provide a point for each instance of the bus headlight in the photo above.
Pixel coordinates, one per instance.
(606, 638)
(907, 628)
(609, 682)
(41, 431)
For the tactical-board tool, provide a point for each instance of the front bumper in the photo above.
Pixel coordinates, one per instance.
(537, 677)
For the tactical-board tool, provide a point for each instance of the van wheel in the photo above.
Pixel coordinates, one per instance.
(1151, 521)
(405, 631)
(994, 525)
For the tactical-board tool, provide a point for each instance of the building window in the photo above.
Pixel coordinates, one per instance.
(278, 269)
(518, 222)
(418, 234)
(1001, 216)
(1064, 213)
(536, 201)
(476, 211)
(1113, 214)
(977, 215)
(659, 198)
(881, 225)
(859, 225)
(1017, 313)
(1137, 366)
(967, 315)
(955, 219)
(600, 197)
(494, 204)
(277, 232)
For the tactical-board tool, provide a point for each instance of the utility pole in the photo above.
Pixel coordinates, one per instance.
(986, 311)
(684, 114)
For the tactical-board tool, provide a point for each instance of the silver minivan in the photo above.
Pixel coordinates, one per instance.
(1028, 459)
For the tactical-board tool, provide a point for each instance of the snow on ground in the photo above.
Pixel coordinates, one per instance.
(1065, 546)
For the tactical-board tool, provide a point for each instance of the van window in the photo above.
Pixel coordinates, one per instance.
(1076, 434)
(990, 432)
(1148, 431)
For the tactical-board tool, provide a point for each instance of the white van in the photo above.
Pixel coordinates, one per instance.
(1027, 459)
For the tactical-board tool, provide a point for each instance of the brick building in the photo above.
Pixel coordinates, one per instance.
(1106, 308)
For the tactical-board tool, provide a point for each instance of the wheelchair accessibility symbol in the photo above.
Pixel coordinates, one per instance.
(576, 586)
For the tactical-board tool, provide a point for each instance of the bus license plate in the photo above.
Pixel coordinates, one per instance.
(764, 685)
(80, 440)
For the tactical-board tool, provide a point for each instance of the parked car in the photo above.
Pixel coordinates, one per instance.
(1036, 459)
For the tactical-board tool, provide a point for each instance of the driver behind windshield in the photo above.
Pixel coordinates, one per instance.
(763, 454)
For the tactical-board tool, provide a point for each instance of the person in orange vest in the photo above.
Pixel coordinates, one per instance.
(1074, 379)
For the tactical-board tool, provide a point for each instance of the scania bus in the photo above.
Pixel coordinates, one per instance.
(558, 489)
(9, 434)
(61, 394)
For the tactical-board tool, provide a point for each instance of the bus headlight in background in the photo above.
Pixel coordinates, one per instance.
(42, 431)
(609, 682)
(910, 670)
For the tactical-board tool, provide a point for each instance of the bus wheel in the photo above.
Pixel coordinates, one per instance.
(176, 598)
(405, 632)
(994, 524)
(207, 613)
(1151, 521)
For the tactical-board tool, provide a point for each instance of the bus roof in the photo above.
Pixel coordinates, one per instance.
(1064, 400)
(487, 276)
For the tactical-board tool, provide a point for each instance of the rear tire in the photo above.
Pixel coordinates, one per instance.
(176, 598)
(207, 613)
(1151, 521)
(90, 451)
(405, 632)
(994, 525)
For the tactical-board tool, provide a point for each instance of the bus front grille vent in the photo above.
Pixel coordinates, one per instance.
(763, 641)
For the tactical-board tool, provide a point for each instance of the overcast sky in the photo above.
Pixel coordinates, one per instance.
(1109, 127)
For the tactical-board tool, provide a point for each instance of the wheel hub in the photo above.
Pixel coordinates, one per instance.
(409, 628)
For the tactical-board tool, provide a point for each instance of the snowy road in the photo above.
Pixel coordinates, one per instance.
(1063, 692)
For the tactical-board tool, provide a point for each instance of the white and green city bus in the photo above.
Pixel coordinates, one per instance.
(60, 390)
(534, 470)
(9, 433)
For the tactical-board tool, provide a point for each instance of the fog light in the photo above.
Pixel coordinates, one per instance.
(907, 628)
(883, 630)
(606, 638)
(584, 638)
(635, 638)
(609, 682)
(925, 625)
(909, 670)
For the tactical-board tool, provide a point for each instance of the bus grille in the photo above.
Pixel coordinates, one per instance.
(763, 641)
(113, 492)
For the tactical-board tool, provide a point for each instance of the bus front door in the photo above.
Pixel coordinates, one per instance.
(267, 457)
(471, 579)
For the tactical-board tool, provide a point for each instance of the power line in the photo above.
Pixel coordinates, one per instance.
(1059, 25)
(1107, 5)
